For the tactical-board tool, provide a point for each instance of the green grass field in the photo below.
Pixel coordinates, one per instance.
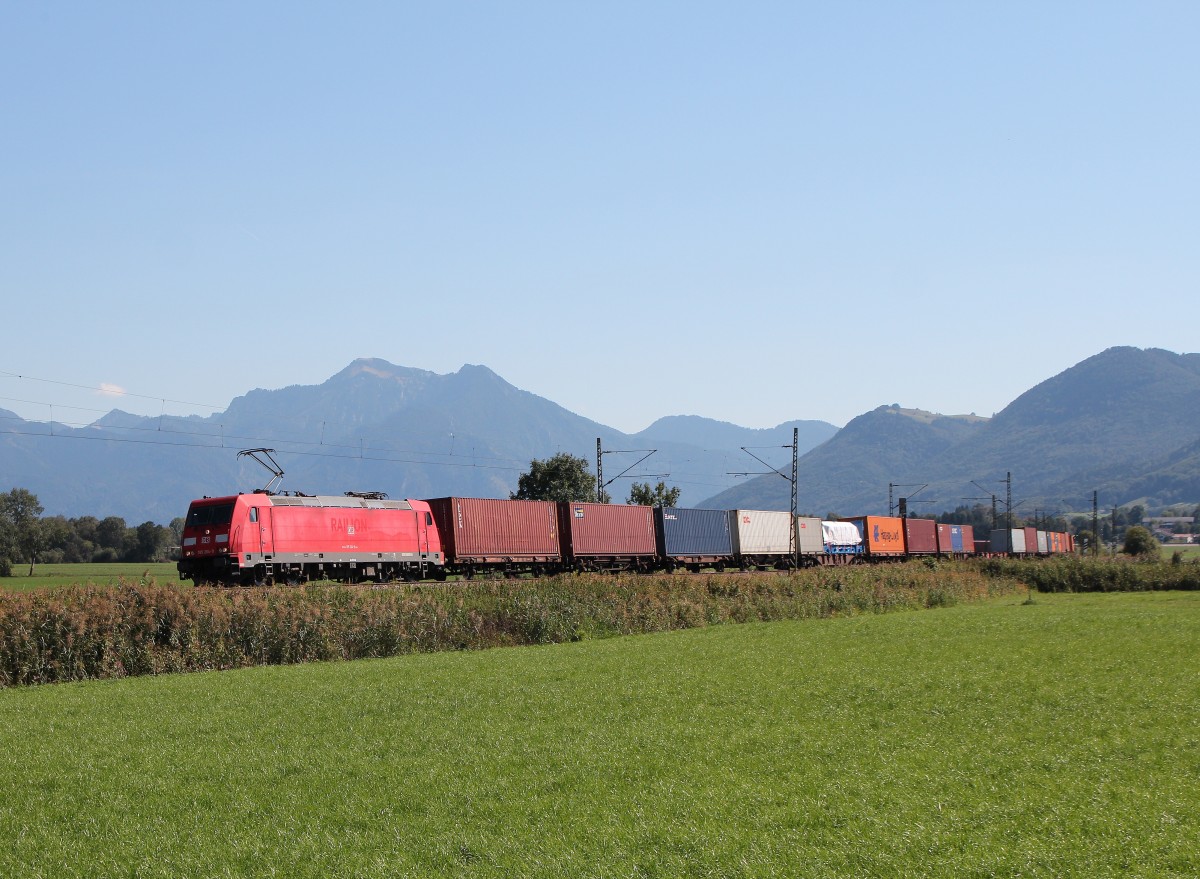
(1052, 738)
(99, 574)
(1189, 551)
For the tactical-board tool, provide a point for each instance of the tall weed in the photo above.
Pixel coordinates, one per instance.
(140, 627)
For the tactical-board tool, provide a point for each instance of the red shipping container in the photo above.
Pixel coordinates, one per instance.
(969, 539)
(945, 542)
(1031, 545)
(921, 536)
(606, 530)
(492, 530)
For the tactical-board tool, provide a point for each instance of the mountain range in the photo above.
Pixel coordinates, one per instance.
(373, 426)
(1125, 422)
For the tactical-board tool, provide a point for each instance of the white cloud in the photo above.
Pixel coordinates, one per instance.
(107, 389)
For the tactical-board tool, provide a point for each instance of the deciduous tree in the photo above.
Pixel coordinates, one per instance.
(21, 526)
(1140, 542)
(564, 477)
(640, 493)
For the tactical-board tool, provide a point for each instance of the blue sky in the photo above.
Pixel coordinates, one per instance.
(751, 212)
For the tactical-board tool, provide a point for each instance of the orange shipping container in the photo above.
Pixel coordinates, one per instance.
(883, 535)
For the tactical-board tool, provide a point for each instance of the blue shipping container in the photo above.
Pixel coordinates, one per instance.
(956, 538)
(695, 534)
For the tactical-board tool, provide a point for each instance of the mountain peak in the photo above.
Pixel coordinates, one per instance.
(926, 417)
(382, 369)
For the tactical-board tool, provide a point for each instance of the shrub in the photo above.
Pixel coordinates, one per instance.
(140, 627)
(1140, 543)
(1077, 574)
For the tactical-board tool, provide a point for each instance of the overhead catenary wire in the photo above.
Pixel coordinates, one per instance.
(107, 391)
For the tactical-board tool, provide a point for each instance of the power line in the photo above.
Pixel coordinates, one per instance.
(105, 390)
(221, 438)
(150, 442)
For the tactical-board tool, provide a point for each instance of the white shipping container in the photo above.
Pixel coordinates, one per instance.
(1043, 543)
(760, 532)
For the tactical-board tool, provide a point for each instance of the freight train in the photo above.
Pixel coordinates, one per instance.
(270, 538)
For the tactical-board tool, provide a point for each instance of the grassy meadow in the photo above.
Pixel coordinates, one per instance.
(1188, 552)
(95, 574)
(1051, 736)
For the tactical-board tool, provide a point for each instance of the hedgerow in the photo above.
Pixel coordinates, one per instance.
(1078, 574)
(144, 627)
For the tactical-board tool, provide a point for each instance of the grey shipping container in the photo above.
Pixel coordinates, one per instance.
(695, 536)
(809, 537)
(488, 530)
(1004, 540)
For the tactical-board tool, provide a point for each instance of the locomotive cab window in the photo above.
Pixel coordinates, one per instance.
(209, 514)
(428, 519)
(254, 514)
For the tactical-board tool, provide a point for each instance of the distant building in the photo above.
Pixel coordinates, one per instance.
(1167, 527)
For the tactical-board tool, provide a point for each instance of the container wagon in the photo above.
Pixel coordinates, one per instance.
(1031, 542)
(491, 535)
(920, 537)
(810, 541)
(761, 538)
(955, 541)
(1009, 541)
(607, 537)
(693, 538)
(843, 543)
(945, 539)
(882, 535)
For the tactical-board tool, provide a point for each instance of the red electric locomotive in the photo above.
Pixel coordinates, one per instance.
(265, 538)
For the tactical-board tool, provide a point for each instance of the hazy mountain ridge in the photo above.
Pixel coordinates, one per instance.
(695, 430)
(850, 467)
(1121, 422)
(372, 426)
(1125, 422)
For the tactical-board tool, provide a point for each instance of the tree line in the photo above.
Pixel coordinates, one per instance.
(26, 537)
